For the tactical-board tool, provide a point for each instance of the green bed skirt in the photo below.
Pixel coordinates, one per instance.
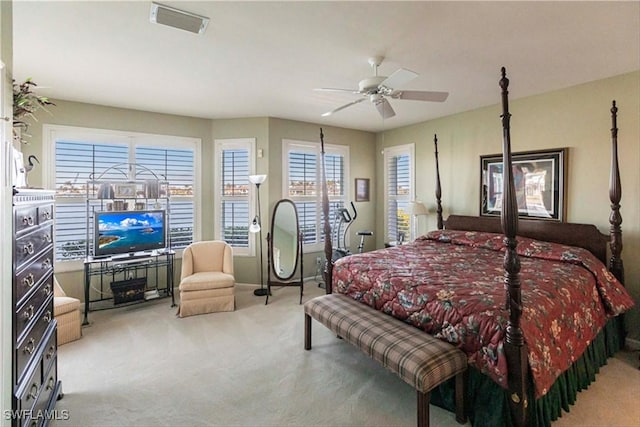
(487, 404)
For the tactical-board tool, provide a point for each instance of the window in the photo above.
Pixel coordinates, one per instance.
(303, 185)
(233, 198)
(399, 172)
(82, 154)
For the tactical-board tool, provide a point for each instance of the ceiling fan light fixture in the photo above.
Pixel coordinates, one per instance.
(176, 18)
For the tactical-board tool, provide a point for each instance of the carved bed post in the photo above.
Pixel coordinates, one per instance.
(438, 188)
(515, 348)
(328, 244)
(615, 194)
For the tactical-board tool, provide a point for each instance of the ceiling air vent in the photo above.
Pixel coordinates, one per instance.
(176, 18)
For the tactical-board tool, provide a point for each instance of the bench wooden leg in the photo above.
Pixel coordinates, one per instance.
(423, 409)
(307, 332)
(460, 383)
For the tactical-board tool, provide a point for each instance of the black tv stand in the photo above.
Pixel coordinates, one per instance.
(100, 272)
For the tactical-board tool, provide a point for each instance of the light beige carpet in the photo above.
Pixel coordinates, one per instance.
(143, 366)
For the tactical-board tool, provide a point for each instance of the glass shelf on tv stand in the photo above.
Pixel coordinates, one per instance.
(134, 256)
(145, 264)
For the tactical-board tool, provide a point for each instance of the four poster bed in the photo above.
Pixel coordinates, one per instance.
(537, 315)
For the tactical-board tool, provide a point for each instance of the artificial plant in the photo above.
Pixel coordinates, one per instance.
(25, 103)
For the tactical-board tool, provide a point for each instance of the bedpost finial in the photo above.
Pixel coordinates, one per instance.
(504, 81)
(614, 109)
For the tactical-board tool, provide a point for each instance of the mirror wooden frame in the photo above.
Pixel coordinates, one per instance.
(292, 279)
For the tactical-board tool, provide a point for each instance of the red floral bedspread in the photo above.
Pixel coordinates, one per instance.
(450, 284)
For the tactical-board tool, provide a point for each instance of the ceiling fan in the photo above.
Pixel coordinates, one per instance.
(378, 88)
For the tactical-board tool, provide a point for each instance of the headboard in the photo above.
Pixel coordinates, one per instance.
(585, 236)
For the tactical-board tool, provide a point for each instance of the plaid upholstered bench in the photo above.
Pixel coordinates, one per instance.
(421, 360)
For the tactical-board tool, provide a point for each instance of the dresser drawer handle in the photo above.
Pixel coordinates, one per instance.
(50, 353)
(34, 391)
(47, 289)
(27, 220)
(47, 238)
(46, 264)
(29, 280)
(46, 215)
(31, 345)
(28, 313)
(51, 383)
(28, 248)
(47, 316)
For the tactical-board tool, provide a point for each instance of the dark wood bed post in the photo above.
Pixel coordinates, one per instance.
(515, 348)
(615, 194)
(328, 244)
(438, 187)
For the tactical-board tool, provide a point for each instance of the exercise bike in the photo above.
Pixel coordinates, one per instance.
(341, 223)
(345, 219)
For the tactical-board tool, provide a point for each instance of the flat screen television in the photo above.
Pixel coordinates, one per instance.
(121, 232)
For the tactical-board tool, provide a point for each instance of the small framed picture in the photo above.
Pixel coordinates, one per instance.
(362, 189)
(124, 191)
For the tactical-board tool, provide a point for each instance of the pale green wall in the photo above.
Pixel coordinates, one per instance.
(361, 165)
(101, 117)
(578, 118)
(246, 268)
(268, 133)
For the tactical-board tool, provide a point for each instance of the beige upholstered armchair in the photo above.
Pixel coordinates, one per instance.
(66, 311)
(207, 281)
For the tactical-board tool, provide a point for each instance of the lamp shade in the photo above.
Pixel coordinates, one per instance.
(416, 207)
(257, 179)
(255, 226)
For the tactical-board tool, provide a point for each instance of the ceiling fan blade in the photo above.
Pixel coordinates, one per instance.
(343, 107)
(399, 78)
(420, 95)
(385, 109)
(332, 89)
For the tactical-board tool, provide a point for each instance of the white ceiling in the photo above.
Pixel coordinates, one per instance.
(261, 58)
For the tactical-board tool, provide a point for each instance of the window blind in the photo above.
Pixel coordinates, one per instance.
(72, 226)
(234, 193)
(398, 196)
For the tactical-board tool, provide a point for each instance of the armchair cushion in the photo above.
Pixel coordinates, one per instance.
(206, 280)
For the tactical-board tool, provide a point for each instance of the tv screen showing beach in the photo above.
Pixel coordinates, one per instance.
(129, 231)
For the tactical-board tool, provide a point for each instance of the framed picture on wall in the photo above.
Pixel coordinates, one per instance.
(539, 178)
(362, 189)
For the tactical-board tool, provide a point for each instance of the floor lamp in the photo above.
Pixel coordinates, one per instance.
(256, 227)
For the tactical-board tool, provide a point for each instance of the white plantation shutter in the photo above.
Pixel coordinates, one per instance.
(79, 159)
(177, 167)
(76, 163)
(304, 188)
(399, 171)
(235, 197)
